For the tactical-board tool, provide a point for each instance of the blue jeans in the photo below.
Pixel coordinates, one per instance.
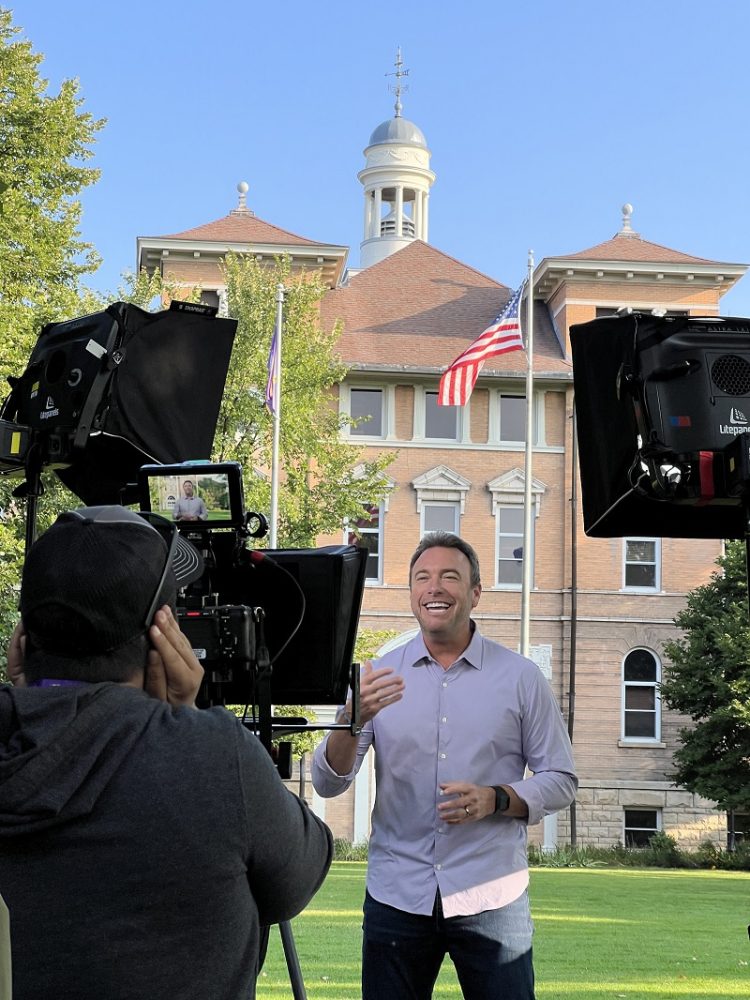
(402, 952)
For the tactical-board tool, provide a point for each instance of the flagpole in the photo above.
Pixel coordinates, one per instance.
(528, 554)
(276, 419)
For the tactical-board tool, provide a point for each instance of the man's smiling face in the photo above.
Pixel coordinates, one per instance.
(442, 595)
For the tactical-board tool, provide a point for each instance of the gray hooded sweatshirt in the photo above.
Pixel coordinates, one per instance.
(142, 847)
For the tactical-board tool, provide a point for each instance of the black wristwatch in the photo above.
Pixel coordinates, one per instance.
(502, 799)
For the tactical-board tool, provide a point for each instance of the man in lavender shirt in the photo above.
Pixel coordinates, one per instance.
(455, 720)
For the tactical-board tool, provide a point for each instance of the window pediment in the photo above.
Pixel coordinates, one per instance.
(441, 483)
(509, 488)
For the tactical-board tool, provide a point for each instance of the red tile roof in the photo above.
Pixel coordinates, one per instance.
(421, 308)
(240, 227)
(630, 246)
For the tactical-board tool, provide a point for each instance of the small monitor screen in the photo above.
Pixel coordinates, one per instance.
(195, 498)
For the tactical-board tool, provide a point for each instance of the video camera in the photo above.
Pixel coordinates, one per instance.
(293, 610)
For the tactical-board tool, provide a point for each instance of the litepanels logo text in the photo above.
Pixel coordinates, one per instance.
(738, 423)
(50, 411)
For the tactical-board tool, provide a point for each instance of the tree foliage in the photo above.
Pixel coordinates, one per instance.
(369, 641)
(708, 679)
(323, 480)
(45, 142)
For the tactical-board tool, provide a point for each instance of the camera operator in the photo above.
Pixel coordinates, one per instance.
(143, 843)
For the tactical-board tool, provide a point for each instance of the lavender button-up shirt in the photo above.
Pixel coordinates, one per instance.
(484, 720)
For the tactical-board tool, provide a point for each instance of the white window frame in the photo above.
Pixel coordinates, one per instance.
(387, 414)
(211, 291)
(655, 685)
(633, 808)
(630, 588)
(499, 508)
(420, 419)
(495, 429)
(508, 490)
(373, 581)
(454, 505)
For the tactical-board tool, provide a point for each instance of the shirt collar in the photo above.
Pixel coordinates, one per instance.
(418, 652)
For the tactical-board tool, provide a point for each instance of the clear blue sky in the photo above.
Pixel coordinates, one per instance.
(542, 118)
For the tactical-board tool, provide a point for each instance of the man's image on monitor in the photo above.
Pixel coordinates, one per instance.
(189, 507)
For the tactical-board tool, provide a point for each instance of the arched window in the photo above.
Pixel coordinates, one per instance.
(641, 706)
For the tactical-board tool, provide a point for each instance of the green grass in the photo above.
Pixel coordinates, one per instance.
(601, 934)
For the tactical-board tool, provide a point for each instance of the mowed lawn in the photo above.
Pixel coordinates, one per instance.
(644, 934)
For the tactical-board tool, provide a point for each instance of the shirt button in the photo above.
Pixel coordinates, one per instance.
(438, 868)
(443, 756)
(445, 684)
(444, 718)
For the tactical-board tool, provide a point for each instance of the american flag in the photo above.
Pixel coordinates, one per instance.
(501, 336)
(273, 374)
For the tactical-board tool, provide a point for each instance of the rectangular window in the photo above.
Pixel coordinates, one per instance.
(510, 545)
(210, 297)
(440, 422)
(369, 534)
(741, 827)
(640, 712)
(440, 516)
(512, 418)
(641, 557)
(640, 826)
(366, 407)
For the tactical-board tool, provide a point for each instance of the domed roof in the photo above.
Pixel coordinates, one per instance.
(398, 130)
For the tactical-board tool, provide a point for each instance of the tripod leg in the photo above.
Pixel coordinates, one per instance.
(292, 961)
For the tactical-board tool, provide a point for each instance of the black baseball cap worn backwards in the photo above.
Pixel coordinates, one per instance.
(95, 578)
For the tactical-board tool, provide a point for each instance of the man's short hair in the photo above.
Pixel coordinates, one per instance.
(88, 584)
(447, 540)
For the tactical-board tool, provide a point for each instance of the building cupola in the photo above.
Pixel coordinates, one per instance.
(397, 181)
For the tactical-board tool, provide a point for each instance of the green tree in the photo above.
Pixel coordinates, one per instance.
(153, 291)
(708, 679)
(45, 141)
(369, 641)
(318, 488)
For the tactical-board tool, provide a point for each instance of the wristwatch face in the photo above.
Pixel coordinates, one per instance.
(502, 800)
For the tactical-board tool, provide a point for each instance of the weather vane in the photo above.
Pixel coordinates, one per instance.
(398, 88)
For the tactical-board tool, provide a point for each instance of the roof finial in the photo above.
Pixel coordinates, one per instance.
(627, 229)
(242, 209)
(398, 88)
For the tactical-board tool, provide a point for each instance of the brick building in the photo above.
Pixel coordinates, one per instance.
(407, 312)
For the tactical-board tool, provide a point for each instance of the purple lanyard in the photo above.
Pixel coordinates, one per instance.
(54, 682)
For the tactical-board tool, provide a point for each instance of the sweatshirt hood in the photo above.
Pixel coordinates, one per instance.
(60, 748)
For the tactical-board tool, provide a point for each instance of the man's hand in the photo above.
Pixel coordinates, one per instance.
(466, 802)
(16, 651)
(173, 673)
(377, 689)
